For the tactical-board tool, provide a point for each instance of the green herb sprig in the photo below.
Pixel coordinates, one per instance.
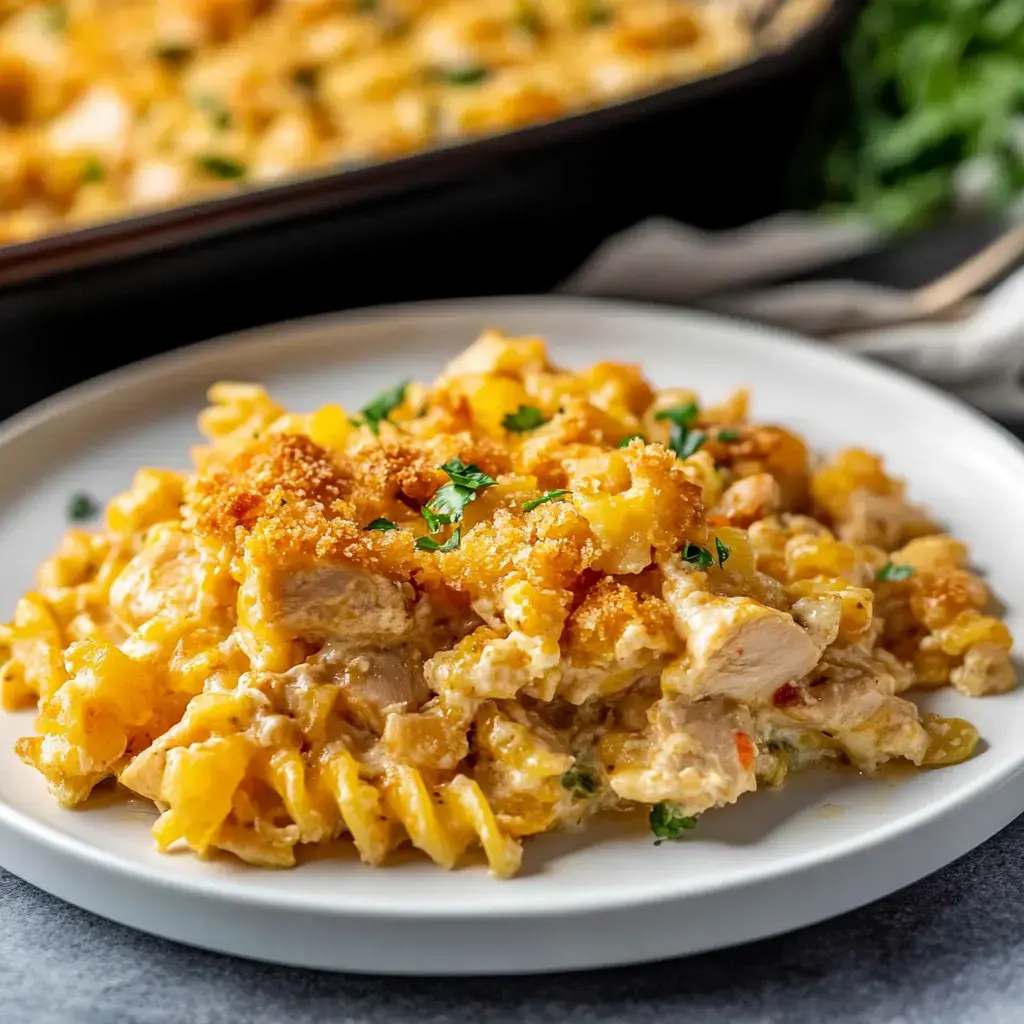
(668, 822)
(683, 439)
(698, 556)
(892, 573)
(450, 500)
(581, 781)
(525, 418)
(82, 507)
(381, 406)
(528, 506)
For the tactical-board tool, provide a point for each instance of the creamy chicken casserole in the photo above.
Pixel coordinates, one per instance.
(486, 608)
(108, 106)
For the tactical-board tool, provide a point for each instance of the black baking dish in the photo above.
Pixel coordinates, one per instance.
(509, 213)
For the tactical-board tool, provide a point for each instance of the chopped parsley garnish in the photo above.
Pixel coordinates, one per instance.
(528, 18)
(546, 496)
(892, 573)
(581, 781)
(694, 439)
(690, 444)
(366, 6)
(82, 507)
(471, 476)
(684, 415)
(92, 170)
(624, 443)
(55, 17)
(668, 822)
(728, 435)
(215, 110)
(174, 54)
(471, 74)
(722, 552)
(381, 524)
(698, 556)
(525, 418)
(306, 80)
(223, 167)
(429, 544)
(595, 12)
(447, 504)
(381, 406)
(682, 439)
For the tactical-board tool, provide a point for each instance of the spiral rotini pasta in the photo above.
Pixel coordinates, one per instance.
(487, 608)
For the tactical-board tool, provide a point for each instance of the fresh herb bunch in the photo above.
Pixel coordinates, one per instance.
(928, 117)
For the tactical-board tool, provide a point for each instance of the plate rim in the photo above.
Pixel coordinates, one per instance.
(83, 394)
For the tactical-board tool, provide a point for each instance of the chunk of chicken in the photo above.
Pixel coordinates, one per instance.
(163, 577)
(853, 699)
(736, 647)
(328, 602)
(377, 682)
(987, 668)
(699, 756)
(882, 520)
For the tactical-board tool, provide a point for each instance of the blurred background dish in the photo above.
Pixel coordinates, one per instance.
(514, 212)
(110, 109)
(113, 108)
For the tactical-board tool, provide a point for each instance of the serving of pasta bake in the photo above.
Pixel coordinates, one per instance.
(113, 106)
(486, 608)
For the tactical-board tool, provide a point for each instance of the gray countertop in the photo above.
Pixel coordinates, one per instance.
(948, 950)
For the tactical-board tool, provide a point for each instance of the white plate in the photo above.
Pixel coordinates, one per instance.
(773, 862)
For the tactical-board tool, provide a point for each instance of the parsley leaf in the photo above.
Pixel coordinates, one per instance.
(382, 524)
(698, 556)
(55, 17)
(596, 13)
(223, 167)
(306, 80)
(581, 781)
(434, 522)
(447, 504)
(82, 507)
(471, 476)
(525, 418)
(174, 54)
(722, 551)
(683, 440)
(381, 406)
(728, 435)
(528, 506)
(668, 822)
(528, 18)
(215, 110)
(471, 74)
(690, 443)
(892, 573)
(92, 170)
(684, 415)
(429, 544)
(624, 443)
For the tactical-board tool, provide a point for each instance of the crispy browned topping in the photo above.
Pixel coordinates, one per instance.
(603, 615)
